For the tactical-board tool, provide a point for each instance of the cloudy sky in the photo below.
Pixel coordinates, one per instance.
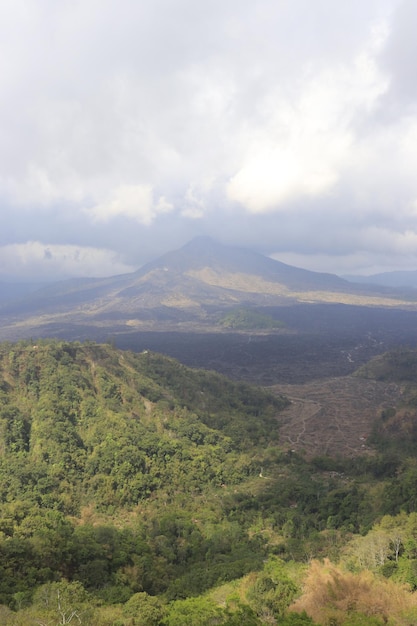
(127, 127)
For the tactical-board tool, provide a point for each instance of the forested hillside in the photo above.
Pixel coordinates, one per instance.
(135, 490)
(83, 423)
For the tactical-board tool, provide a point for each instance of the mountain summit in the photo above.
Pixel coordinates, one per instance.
(240, 269)
(189, 286)
(204, 252)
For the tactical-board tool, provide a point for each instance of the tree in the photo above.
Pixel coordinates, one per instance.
(273, 591)
(62, 603)
(147, 610)
(193, 612)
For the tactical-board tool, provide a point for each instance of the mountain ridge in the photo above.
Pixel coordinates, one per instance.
(201, 251)
(397, 278)
(192, 286)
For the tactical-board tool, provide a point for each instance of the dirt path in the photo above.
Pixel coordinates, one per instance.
(333, 416)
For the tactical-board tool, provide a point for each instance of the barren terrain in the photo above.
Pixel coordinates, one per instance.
(334, 416)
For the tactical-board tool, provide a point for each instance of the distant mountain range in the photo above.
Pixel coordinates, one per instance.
(398, 279)
(186, 288)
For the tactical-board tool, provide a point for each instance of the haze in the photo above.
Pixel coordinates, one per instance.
(130, 127)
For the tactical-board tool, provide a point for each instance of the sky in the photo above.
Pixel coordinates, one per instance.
(129, 127)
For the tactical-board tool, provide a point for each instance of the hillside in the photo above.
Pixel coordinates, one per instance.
(96, 424)
(187, 289)
(395, 431)
(84, 427)
(10, 291)
(135, 490)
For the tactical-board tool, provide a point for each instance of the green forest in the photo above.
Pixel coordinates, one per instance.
(137, 491)
(249, 319)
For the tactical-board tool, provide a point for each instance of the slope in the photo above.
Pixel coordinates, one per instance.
(130, 475)
(190, 287)
(87, 423)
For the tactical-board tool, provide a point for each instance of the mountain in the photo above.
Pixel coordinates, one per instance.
(10, 291)
(203, 253)
(187, 288)
(397, 279)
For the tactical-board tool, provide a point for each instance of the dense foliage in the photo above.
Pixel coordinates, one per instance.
(86, 424)
(135, 491)
(82, 423)
(249, 319)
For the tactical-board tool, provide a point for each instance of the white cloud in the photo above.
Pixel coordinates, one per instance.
(132, 201)
(34, 260)
(41, 187)
(302, 146)
(389, 242)
(195, 200)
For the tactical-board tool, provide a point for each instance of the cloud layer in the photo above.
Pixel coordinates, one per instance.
(130, 127)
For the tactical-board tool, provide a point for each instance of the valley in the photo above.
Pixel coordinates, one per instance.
(164, 463)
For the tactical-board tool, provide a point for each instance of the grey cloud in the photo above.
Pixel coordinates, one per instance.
(178, 99)
(400, 53)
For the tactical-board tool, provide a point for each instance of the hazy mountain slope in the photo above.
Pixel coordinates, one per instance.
(193, 285)
(202, 272)
(203, 252)
(398, 279)
(10, 291)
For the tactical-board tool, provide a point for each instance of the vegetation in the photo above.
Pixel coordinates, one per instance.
(398, 365)
(135, 491)
(249, 319)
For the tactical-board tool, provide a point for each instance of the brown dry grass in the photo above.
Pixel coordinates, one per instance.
(331, 595)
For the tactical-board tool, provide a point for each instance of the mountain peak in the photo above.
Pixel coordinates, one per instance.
(205, 245)
(205, 252)
(182, 284)
(201, 241)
